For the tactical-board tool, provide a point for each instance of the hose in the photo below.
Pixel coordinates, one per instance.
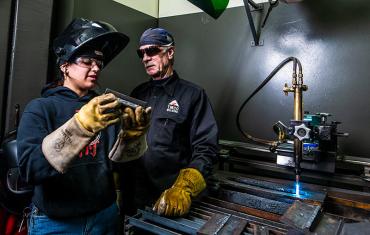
(271, 143)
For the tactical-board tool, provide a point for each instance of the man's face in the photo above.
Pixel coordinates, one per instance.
(156, 59)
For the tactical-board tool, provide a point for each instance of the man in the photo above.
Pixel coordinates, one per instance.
(182, 139)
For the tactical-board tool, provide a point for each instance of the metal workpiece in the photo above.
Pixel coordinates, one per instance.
(252, 201)
(203, 219)
(302, 215)
(252, 216)
(275, 191)
(127, 101)
(263, 184)
(248, 213)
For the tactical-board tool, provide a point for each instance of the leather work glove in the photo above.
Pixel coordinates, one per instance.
(135, 123)
(176, 200)
(97, 113)
(62, 145)
(131, 142)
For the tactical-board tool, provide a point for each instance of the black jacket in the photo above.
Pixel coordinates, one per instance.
(183, 131)
(87, 186)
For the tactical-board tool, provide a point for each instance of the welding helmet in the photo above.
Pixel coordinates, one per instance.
(82, 33)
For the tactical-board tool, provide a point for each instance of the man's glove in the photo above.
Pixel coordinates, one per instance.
(176, 200)
(99, 113)
(131, 143)
(135, 123)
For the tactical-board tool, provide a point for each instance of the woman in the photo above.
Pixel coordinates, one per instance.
(68, 138)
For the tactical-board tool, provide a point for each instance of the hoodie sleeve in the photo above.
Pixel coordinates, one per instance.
(34, 168)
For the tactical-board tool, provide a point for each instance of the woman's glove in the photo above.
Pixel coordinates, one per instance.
(63, 145)
(176, 201)
(135, 123)
(131, 142)
(100, 112)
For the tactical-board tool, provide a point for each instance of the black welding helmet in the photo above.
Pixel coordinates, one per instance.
(82, 33)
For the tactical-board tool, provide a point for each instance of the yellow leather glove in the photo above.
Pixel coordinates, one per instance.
(135, 123)
(176, 201)
(97, 113)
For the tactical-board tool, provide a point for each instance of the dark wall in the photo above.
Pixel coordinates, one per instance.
(330, 39)
(5, 15)
(25, 33)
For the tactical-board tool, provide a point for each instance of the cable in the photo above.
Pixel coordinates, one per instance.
(270, 143)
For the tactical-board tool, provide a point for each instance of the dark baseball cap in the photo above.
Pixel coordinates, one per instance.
(156, 36)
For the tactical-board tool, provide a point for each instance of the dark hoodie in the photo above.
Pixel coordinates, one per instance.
(87, 186)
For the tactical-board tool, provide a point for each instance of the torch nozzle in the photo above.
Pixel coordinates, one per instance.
(297, 179)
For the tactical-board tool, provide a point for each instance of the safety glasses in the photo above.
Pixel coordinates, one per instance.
(150, 51)
(87, 62)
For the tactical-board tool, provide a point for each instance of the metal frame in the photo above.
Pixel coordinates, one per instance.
(256, 33)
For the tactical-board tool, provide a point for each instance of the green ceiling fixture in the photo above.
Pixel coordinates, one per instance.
(213, 8)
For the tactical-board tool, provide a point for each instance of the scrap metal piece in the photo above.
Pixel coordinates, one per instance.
(231, 206)
(356, 228)
(329, 224)
(149, 221)
(223, 225)
(248, 214)
(252, 201)
(150, 227)
(234, 226)
(214, 224)
(301, 215)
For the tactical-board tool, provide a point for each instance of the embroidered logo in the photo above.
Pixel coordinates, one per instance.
(173, 107)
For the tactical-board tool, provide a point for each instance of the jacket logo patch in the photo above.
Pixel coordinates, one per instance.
(173, 107)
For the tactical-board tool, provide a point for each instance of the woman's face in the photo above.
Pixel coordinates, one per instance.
(82, 74)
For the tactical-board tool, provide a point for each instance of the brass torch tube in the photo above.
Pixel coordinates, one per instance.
(298, 113)
(298, 116)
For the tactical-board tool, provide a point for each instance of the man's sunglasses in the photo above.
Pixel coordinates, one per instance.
(149, 51)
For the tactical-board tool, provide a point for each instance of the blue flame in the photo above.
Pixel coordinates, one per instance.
(297, 189)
